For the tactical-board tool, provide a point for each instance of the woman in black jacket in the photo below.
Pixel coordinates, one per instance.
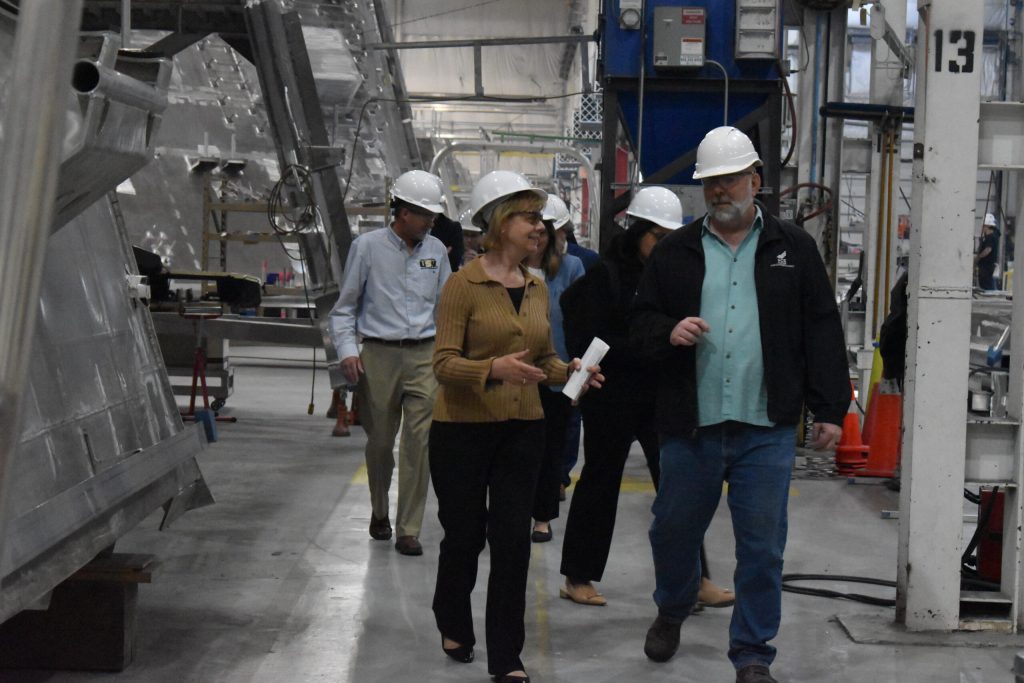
(597, 305)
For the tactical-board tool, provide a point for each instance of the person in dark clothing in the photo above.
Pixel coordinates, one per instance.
(567, 242)
(450, 234)
(892, 336)
(597, 306)
(988, 253)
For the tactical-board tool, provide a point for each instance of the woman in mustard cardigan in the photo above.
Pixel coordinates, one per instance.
(493, 347)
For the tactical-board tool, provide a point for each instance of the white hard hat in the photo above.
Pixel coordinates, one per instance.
(659, 205)
(420, 188)
(556, 211)
(494, 187)
(724, 150)
(990, 219)
(465, 219)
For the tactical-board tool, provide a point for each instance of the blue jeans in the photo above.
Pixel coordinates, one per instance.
(757, 462)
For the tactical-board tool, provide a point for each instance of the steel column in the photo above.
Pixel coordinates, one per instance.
(296, 118)
(44, 48)
(947, 107)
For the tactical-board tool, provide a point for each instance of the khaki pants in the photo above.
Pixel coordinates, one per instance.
(399, 383)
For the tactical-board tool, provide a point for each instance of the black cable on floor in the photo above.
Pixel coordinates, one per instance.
(825, 593)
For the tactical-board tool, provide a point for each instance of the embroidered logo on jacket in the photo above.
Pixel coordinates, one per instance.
(781, 262)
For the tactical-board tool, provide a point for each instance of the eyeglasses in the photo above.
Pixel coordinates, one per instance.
(532, 217)
(725, 181)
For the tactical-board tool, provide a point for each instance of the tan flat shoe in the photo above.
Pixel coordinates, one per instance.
(582, 594)
(711, 595)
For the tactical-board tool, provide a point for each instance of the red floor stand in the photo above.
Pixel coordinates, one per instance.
(199, 373)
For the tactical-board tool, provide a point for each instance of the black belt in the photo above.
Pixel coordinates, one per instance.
(399, 342)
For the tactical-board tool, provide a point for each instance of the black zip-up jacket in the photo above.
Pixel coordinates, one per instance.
(801, 337)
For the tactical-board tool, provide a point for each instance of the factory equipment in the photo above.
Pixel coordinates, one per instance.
(100, 444)
(687, 67)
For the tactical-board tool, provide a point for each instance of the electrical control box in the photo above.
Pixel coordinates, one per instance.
(757, 29)
(680, 34)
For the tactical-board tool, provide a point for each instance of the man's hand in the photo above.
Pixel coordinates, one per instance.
(512, 369)
(352, 367)
(687, 331)
(825, 435)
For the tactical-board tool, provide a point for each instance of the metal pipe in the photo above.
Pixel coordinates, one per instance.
(888, 221)
(725, 104)
(482, 42)
(44, 48)
(635, 176)
(126, 24)
(878, 245)
(92, 78)
(474, 145)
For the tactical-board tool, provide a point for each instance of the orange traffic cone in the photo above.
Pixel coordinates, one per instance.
(884, 439)
(851, 453)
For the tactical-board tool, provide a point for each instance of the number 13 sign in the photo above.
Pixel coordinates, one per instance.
(963, 43)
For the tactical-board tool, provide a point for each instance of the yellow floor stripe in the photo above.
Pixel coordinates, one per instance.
(540, 589)
(644, 485)
(629, 484)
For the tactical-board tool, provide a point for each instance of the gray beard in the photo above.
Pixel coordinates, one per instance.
(729, 213)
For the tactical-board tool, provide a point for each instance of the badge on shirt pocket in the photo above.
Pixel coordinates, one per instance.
(428, 263)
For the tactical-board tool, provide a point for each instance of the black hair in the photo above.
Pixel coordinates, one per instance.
(398, 204)
(625, 247)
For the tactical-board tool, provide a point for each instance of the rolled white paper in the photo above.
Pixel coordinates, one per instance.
(595, 352)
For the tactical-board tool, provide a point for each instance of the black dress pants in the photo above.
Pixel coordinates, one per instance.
(556, 418)
(485, 475)
(610, 425)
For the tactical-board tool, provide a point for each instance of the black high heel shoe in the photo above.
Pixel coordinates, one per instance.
(510, 679)
(462, 654)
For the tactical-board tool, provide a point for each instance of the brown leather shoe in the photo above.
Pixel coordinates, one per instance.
(408, 545)
(380, 529)
(711, 595)
(582, 593)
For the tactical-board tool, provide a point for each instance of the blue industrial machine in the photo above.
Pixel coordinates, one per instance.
(673, 70)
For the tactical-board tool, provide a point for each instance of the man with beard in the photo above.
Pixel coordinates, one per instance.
(393, 278)
(738, 312)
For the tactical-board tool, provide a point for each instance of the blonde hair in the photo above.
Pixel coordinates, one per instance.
(551, 259)
(520, 201)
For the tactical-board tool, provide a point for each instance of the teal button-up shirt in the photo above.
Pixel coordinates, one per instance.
(730, 367)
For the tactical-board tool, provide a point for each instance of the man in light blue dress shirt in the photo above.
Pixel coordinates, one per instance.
(393, 279)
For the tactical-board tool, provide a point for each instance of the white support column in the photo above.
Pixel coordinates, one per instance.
(948, 63)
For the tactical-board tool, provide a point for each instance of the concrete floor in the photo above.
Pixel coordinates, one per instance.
(279, 580)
